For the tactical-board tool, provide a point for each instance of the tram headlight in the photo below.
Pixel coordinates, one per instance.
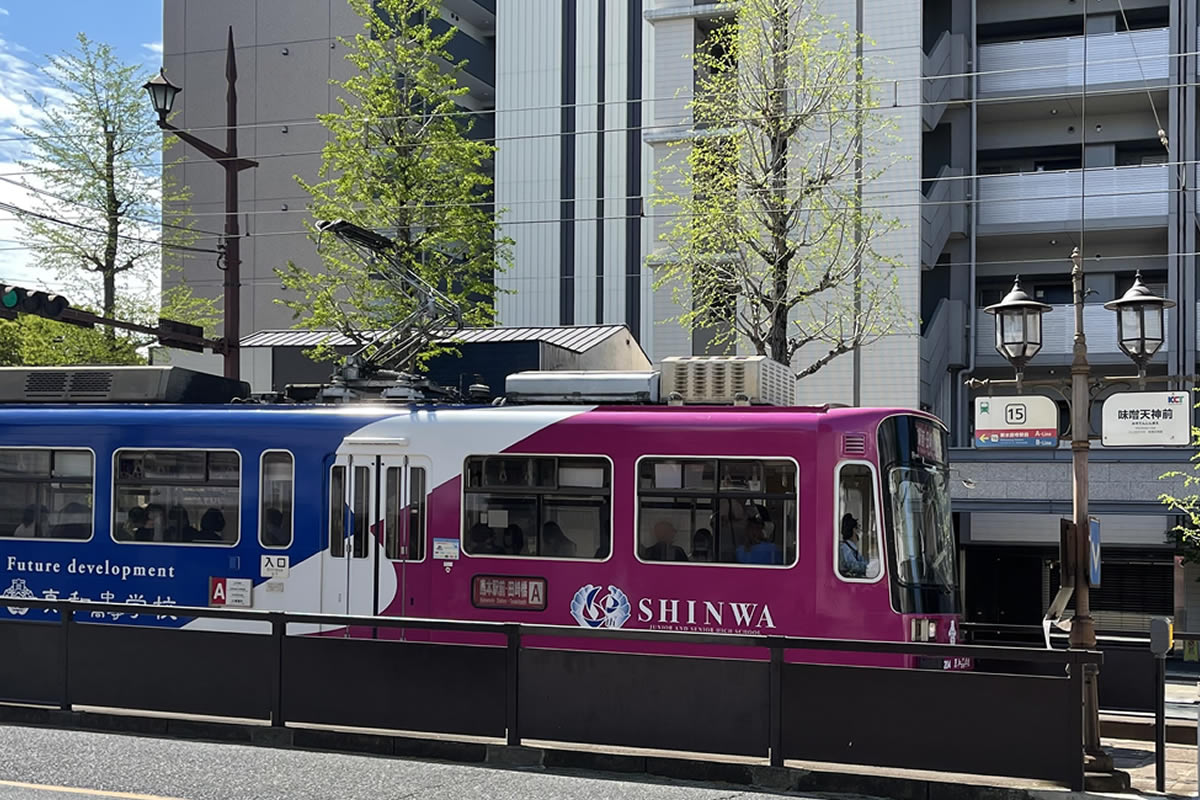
(923, 630)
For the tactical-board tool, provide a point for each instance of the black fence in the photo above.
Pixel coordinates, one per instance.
(1127, 681)
(1000, 723)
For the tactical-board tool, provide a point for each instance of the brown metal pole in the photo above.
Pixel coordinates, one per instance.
(1083, 628)
(233, 254)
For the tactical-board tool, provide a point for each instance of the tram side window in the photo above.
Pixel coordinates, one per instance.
(177, 496)
(275, 499)
(857, 524)
(548, 506)
(337, 512)
(724, 511)
(46, 493)
(404, 519)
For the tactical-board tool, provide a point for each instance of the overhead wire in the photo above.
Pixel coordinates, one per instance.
(875, 82)
(669, 131)
(24, 212)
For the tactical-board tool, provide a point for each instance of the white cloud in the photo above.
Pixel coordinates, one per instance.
(154, 47)
(15, 265)
(18, 76)
(3, 12)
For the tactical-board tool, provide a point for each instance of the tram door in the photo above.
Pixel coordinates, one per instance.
(404, 487)
(347, 575)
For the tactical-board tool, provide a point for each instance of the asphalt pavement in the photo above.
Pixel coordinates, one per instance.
(48, 764)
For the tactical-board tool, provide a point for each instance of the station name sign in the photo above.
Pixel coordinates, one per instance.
(1148, 419)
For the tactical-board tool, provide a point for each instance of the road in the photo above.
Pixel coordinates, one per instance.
(45, 764)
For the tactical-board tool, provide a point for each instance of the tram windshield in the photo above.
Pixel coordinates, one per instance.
(924, 527)
(912, 453)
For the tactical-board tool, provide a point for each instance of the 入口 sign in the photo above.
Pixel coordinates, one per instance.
(1022, 421)
(1147, 419)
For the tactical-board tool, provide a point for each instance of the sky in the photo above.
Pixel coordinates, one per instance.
(29, 30)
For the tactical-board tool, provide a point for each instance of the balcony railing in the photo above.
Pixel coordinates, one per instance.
(1053, 64)
(1058, 334)
(1048, 198)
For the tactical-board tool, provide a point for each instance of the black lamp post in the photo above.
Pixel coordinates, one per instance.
(1018, 327)
(1140, 324)
(1019, 338)
(162, 95)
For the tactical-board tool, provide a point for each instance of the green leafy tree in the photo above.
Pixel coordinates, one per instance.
(92, 161)
(769, 241)
(1185, 502)
(400, 162)
(36, 341)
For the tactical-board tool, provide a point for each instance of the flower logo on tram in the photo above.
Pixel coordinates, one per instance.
(593, 610)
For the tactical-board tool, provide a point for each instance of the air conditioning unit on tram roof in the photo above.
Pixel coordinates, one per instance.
(722, 380)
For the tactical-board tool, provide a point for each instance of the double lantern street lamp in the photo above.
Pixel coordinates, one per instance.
(1139, 325)
(162, 96)
(1019, 338)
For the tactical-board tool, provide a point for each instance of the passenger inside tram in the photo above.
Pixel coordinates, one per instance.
(702, 545)
(274, 534)
(514, 540)
(555, 542)
(212, 525)
(664, 547)
(851, 561)
(29, 526)
(482, 540)
(759, 547)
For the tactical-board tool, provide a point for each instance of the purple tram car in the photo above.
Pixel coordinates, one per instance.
(824, 522)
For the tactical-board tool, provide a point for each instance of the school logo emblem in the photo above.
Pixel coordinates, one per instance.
(593, 608)
(18, 589)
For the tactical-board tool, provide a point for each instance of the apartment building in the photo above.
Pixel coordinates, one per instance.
(1019, 165)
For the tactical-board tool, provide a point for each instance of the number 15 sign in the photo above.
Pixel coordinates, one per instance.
(1024, 421)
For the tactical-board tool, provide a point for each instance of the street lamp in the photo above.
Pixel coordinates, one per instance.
(162, 93)
(1140, 324)
(1018, 327)
(162, 97)
(1018, 339)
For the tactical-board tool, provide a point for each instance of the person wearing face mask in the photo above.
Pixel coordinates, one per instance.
(850, 559)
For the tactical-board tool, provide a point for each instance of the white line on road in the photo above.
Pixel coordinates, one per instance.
(90, 792)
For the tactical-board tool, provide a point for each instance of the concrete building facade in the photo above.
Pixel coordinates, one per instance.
(287, 51)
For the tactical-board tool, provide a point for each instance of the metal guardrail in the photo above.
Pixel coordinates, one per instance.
(510, 681)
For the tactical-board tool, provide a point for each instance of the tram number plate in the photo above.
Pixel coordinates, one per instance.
(509, 592)
(956, 664)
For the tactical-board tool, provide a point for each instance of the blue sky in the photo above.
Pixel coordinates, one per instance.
(30, 29)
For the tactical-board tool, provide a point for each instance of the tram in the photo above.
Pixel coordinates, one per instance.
(751, 519)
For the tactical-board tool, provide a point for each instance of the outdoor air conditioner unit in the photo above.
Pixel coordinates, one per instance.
(725, 380)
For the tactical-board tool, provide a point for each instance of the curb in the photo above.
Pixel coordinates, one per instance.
(772, 779)
(1140, 730)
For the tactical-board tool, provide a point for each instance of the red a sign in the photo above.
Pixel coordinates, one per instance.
(217, 592)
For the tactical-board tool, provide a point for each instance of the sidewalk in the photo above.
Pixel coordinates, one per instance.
(1137, 758)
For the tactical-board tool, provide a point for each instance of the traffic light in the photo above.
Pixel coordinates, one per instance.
(17, 299)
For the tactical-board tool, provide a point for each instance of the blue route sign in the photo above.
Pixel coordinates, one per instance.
(1093, 552)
